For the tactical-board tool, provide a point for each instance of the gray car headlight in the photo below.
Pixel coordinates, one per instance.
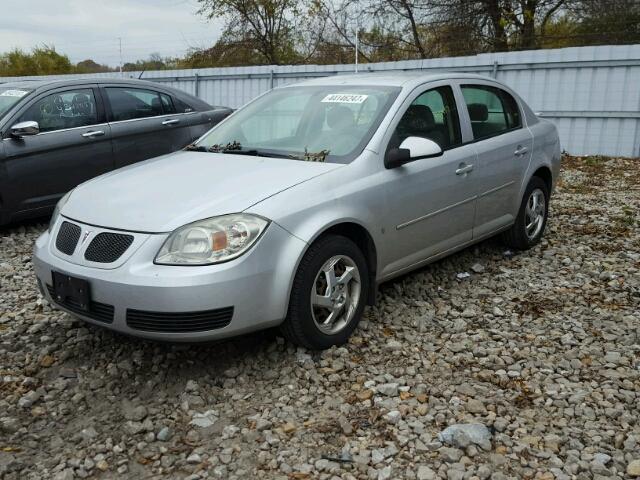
(213, 240)
(56, 211)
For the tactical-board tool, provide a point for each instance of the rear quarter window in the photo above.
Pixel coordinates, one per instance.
(181, 107)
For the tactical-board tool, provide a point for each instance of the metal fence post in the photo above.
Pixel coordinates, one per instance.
(494, 72)
(271, 79)
(197, 84)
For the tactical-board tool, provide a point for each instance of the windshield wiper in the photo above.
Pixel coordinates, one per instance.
(235, 148)
(195, 148)
(311, 156)
(252, 152)
(228, 148)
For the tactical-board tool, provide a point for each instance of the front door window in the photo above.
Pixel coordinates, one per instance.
(63, 110)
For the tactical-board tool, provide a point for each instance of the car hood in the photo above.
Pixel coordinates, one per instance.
(164, 193)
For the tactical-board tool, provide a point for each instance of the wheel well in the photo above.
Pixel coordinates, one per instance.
(545, 174)
(361, 237)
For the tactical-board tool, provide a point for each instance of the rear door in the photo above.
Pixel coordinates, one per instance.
(198, 120)
(504, 148)
(74, 145)
(144, 123)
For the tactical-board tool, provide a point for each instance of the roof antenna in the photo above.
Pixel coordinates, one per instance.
(141, 73)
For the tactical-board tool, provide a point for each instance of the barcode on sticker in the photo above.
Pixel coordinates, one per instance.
(344, 98)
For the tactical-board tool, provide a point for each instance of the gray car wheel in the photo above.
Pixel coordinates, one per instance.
(328, 295)
(529, 226)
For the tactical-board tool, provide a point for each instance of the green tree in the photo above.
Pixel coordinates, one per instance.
(90, 66)
(606, 22)
(42, 60)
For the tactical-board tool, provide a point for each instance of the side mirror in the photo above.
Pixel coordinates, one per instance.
(397, 157)
(421, 147)
(24, 129)
(412, 148)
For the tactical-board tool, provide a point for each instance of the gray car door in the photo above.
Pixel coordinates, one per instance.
(504, 148)
(431, 202)
(142, 124)
(74, 145)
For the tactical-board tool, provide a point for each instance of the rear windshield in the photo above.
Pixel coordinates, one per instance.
(9, 96)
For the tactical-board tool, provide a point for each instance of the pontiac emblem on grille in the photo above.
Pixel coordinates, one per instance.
(86, 235)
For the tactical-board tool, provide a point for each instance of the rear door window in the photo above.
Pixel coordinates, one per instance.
(132, 103)
(167, 104)
(63, 110)
(492, 110)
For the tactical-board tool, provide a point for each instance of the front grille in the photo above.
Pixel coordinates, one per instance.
(179, 322)
(100, 312)
(68, 237)
(107, 247)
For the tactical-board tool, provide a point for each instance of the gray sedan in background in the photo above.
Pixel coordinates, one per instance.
(291, 211)
(57, 134)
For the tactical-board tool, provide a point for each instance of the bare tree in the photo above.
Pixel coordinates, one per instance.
(275, 29)
(503, 24)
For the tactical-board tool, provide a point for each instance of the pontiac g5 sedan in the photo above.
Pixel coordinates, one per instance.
(291, 211)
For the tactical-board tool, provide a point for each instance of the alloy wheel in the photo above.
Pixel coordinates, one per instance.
(535, 212)
(335, 294)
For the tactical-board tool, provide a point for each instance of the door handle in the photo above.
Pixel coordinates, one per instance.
(93, 133)
(171, 121)
(520, 151)
(463, 168)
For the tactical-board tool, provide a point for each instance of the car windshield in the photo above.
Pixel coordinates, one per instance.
(314, 123)
(9, 96)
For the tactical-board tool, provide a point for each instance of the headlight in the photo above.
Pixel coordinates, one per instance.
(213, 240)
(56, 211)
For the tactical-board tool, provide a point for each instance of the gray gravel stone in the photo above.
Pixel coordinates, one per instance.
(164, 434)
(425, 473)
(389, 389)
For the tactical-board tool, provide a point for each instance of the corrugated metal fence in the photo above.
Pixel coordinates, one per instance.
(591, 93)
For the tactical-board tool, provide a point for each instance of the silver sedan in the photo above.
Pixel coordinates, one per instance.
(295, 208)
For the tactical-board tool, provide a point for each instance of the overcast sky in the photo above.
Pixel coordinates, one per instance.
(90, 29)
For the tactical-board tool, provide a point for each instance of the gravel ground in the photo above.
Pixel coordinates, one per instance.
(533, 358)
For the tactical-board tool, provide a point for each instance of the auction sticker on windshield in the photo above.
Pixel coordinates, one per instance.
(344, 98)
(13, 93)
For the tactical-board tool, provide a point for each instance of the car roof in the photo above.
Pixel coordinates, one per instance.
(47, 84)
(57, 82)
(390, 79)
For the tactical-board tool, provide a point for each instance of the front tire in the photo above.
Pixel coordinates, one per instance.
(328, 295)
(531, 221)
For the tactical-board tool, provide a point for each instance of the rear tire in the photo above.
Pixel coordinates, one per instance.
(329, 294)
(531, 221)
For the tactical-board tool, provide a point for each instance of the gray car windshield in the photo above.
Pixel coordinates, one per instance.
(314, 123)
(9, 96)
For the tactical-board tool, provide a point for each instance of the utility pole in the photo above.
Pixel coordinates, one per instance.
(357, 38)
(120, 42)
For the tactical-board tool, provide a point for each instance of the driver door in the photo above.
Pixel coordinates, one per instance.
(431, 202)
(74, 145)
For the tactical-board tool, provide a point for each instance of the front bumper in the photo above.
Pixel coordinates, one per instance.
(256, 285)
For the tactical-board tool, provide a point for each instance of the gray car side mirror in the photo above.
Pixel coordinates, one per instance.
(23, 129)
(420, 147)
(412, 148)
